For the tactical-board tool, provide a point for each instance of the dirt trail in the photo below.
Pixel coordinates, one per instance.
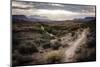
(70, 52)
(73, 44)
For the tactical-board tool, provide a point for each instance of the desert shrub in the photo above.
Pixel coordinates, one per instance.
(86, 54)
(24, 59)
(19, 59)
(54, 57)
(56, 46)
(15, 55)
(46, 45)
(27, 48)
(15, 43)
(91, 43)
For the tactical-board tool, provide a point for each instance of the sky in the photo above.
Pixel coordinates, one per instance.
(52, 11)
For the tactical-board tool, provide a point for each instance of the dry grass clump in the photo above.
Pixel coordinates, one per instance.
(54, 56)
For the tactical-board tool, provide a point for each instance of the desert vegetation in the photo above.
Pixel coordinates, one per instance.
(47, 43)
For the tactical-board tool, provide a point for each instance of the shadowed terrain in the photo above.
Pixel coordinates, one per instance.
(56, 42)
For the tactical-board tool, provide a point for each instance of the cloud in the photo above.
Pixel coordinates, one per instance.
(25, 8)
(51, 10)
(21, 5)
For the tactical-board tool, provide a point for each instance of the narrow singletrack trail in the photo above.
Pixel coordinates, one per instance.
(70, 52)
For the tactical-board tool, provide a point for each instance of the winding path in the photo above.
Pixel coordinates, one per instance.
(70, 52)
